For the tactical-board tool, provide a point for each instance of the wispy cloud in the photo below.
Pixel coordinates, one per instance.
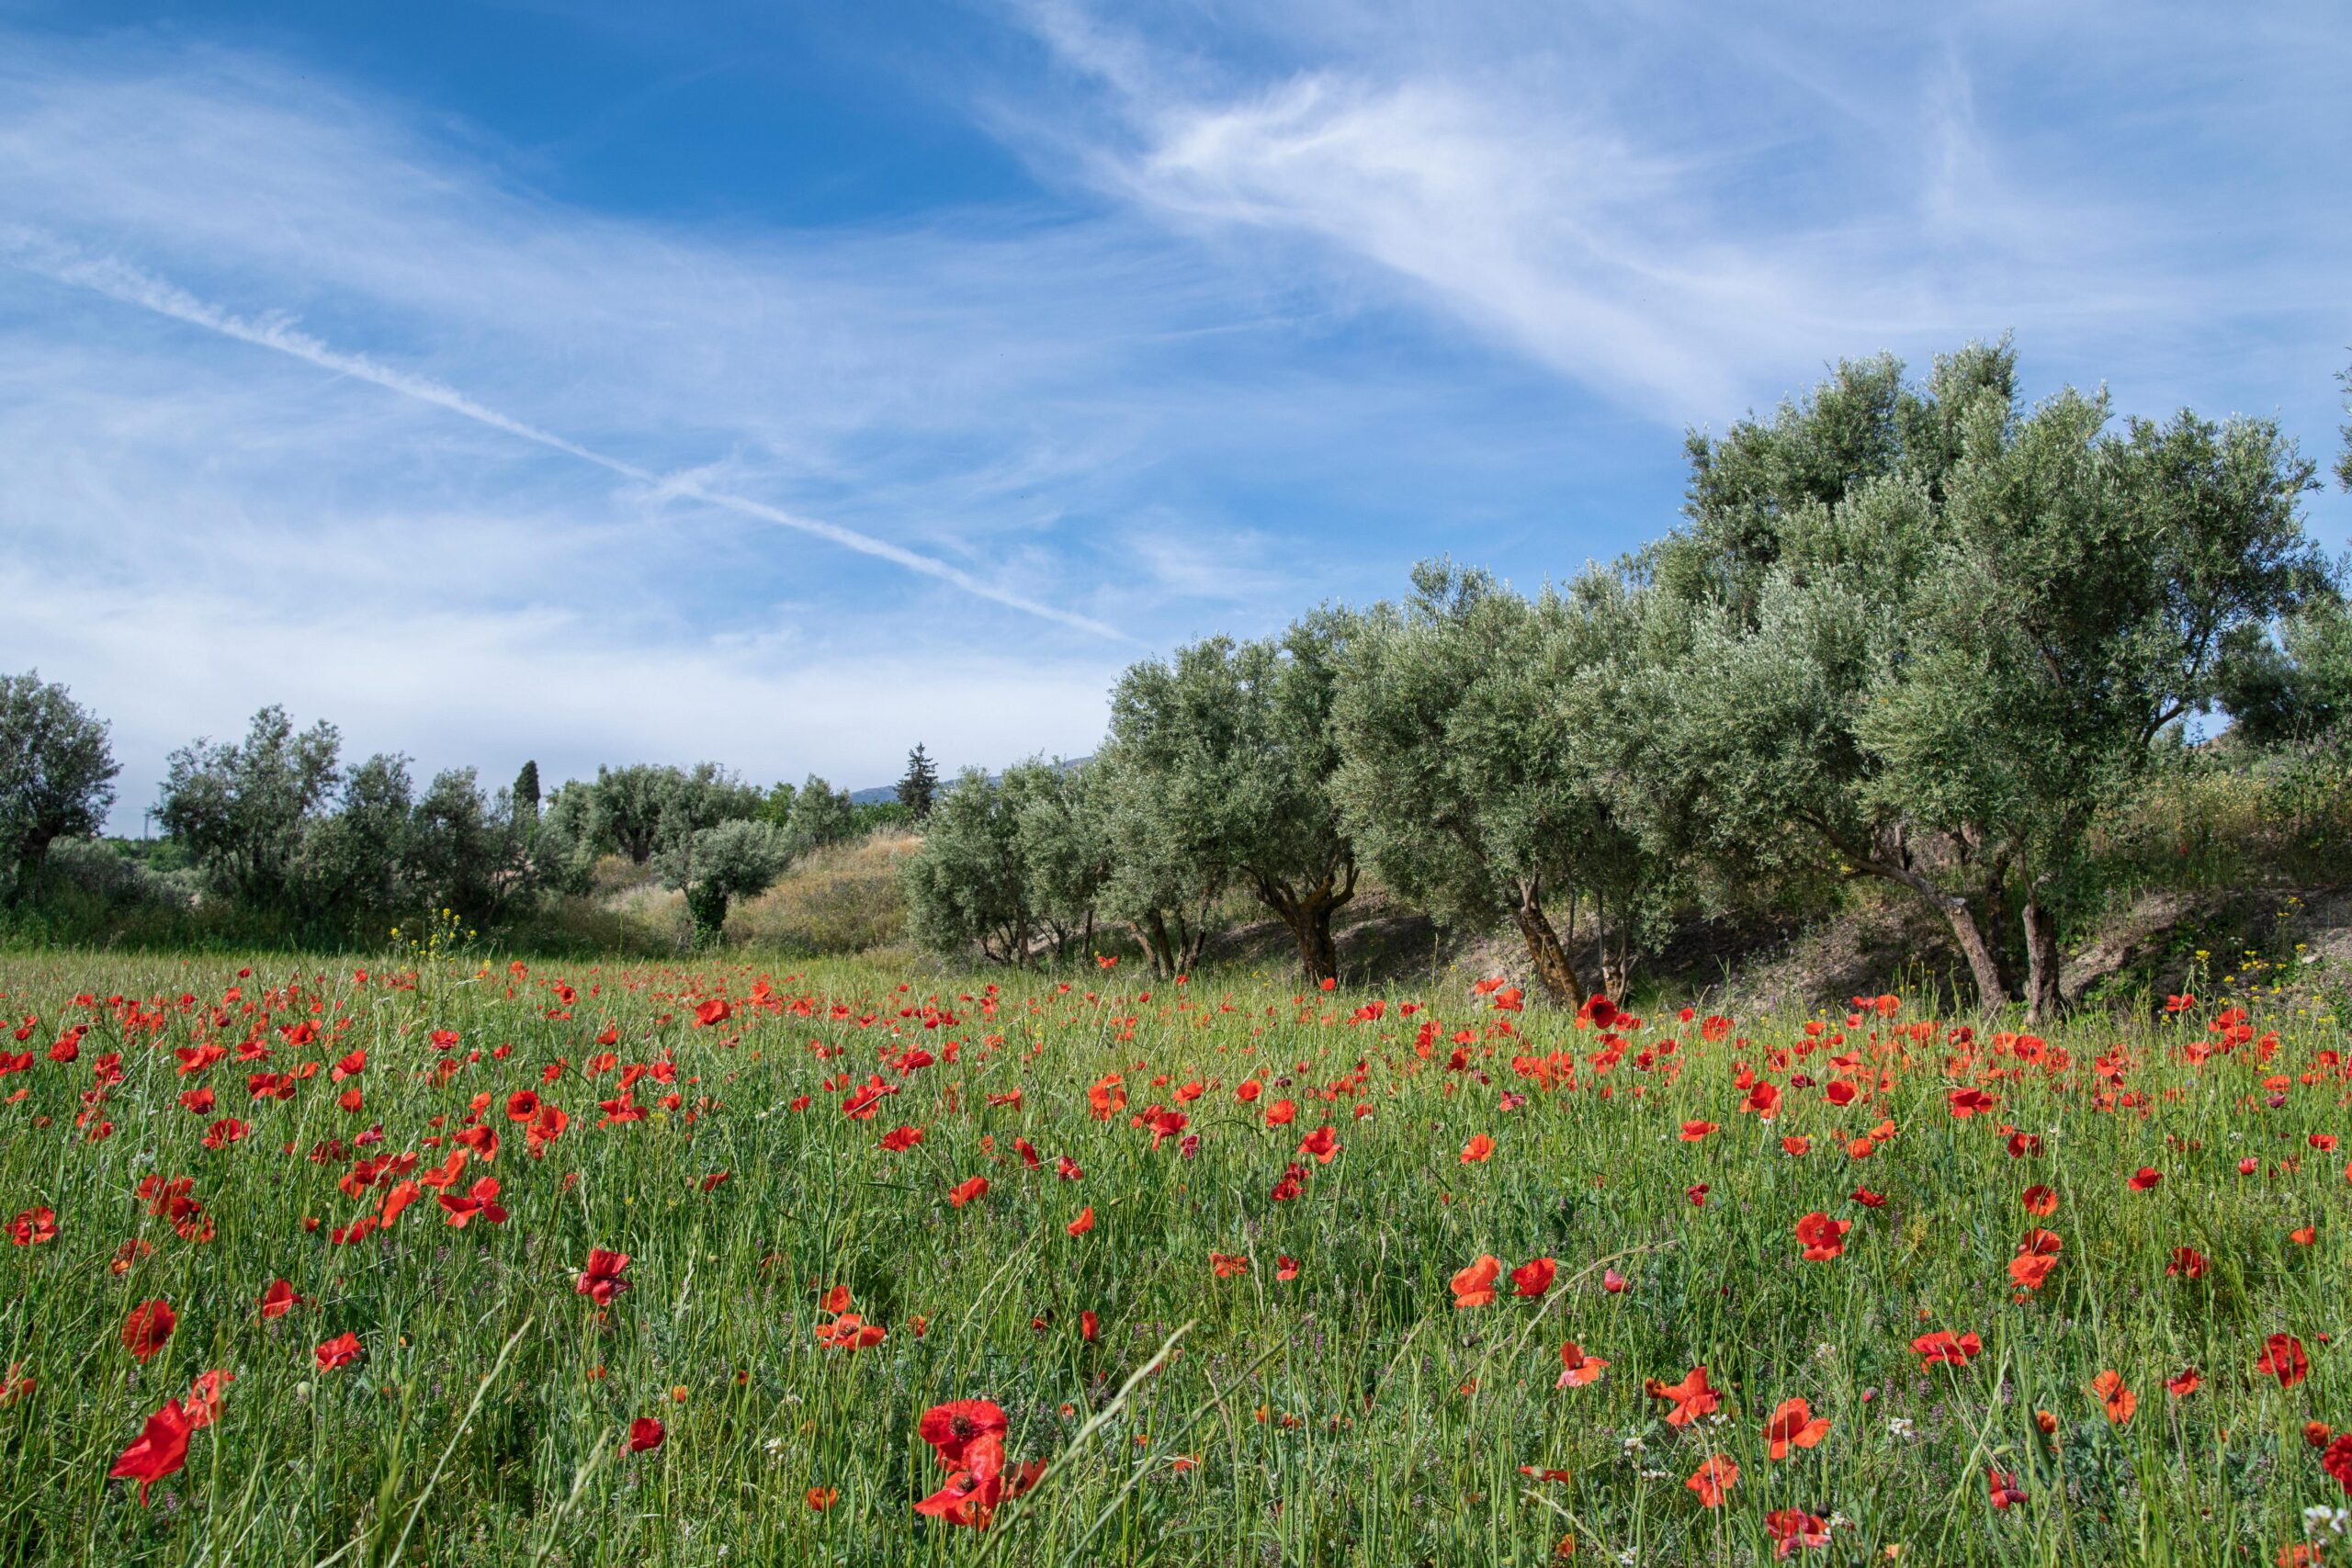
(117, 280)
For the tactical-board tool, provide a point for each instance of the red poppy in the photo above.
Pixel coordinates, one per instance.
(2186, 1262)
(967, 1191)
(2282, 1358)
(1966, 1103)
(148, 1329)
(204, 1397)
(1823, 1237)
(1475, 1286)
(2040, 1201)
(1694, 1131)
(645, 1433)
(1477, 1150)
(1577, 1369)
(1944, 1348)
(1713, 1481)
(901, 1138)
(603, 1281)
(2004, 1488)
(973, 1494)
(2336, 1460)
(1868, 1199)
(33, 1226)
(160, 1451)
(951, 1428)
(2183, 1383)
(1084, 1223)
(480, 1202)
(2119, 1402)
(2144, 1180)
(1534, 1278)
(1793, 1425)
(1793, 1529)
(339, 1352)
(279, 1300)
(1692, 1397)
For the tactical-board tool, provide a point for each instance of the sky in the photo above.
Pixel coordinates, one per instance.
(786, 384)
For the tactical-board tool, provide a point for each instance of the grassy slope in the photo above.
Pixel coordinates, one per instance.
(1350, 1414)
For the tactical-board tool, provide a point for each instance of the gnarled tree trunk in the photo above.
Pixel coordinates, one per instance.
(1555, 970)
(2045, 999)
(1308, 913)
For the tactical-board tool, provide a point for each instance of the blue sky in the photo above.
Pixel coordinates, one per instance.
(784, 385)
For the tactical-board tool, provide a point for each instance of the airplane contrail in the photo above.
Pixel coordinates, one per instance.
(32, 251)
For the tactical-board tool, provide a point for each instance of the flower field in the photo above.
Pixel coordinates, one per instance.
(467, 1262)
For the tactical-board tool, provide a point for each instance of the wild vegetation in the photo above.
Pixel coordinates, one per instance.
(446, 1257)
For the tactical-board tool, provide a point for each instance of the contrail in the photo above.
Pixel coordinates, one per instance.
(33, 252)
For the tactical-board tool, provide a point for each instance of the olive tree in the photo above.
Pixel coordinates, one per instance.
(1932, 634)
(741, 858)
(57, 773)
(1477, 774)
(1228, 748)
(244, 809)
(968, 885)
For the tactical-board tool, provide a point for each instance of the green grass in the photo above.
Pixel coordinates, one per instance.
(1350, 1416)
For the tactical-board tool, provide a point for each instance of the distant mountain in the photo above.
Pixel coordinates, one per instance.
(880, 792)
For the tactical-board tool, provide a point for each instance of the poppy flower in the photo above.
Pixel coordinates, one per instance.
(645, 1433)
(1793, 1425)
(1823, 1237)
(1577, 1369)
(279, 1300)
(973, 1494)
(1792, 1529)
(901, 1138)
(1475, 1286)
(33, 1227)
(1533, 1279)
(1944, 1348)
(967, 1191)
(1478, 1149)
(1691, 1398)
(1228, 1265)
(601, 1281)
(2183, 1383)
(1613, 1282)
(1694, 1131)
(2186, 1262)
(339, 1352)
(160, 1451)
(1713, 1480)
(820, 1498)
(1084, 1223)
(148, 1329)
(951, 1428)
(1322, 1143)
(204, 1397)
(2336, 1460)
(2041, 1200)
(1966, 1103)
(2004, 1489)
(2282, 1358)
(1868, 1199)
(2144, 1180)
(2121, 1401)
(480, 1202)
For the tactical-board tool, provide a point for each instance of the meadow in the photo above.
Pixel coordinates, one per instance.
(445, 1258)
